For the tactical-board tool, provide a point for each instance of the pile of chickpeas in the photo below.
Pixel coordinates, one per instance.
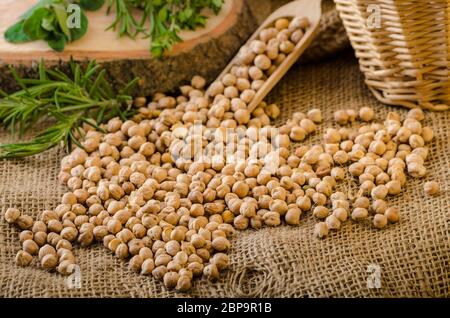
(168, 188)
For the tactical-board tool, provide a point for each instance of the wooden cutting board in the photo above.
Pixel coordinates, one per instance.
(204, 51)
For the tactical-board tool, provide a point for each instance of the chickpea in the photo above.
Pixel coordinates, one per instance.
(341, 214)
(341, 117)
(416, 170)
(24, 222)
(49, 261)
(362, 202)
(416, 141)
(221, 244)
(392, 214)
(332, 222)
(292, 216)
(366, 114)
(267, 34)
(272, 219)
(431, 188)
(298, 133)
(321, 212)
(394, 187)
(242, 116)
(321, 230)
(379, 206)
(12, 215)
(23, 258)
(427, 134)
(262, 62)
(359, 214)
(379, 192)
(315, 115)
(380, 221)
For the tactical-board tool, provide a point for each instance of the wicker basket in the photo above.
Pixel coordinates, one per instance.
(406, 57)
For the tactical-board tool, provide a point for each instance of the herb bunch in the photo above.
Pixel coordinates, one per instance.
(161, 20)
(48, 20)
(68, 101)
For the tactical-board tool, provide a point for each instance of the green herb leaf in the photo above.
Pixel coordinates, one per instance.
(92, 5)
(57, 42)
(15, 33)
(78, 33)
(48, 23)
(32, 25)
(61, 16)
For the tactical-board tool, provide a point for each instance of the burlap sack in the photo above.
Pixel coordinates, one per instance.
(411, 258)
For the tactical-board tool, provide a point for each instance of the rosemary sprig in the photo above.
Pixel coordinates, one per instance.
(67, 100)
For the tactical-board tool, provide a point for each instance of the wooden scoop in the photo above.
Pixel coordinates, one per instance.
(310, 9)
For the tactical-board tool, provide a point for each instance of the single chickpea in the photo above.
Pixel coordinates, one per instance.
(241, 222)
(272, 218)
(171, 279)
(198, 82)
(258, 47)
(292, 216)
(255, 73)
(12, 215)
(338, 173)
(379, 206)
(341, 214)
(229, 79)
(392, 214)
(427, 134)
(359, 214)
(379, 192)
(321, 230)
(377, 147)
(362, 202)
(221, 244)
(379, 221)
(147, 266)
(24, 222)
(366, 114)
(281, 24)
(341, 117)
(431, 188)
(296, 36)
(416, 170)
(211, 272)
(183, 283)
(49, 261)
(416, 113)
(332, 222)
(246, 57)
(315, 115)
(287, 47)
(262, 62)
(394, 187)
(215, 89)
(298, 133)
(304, 203)
(321, 212)
(267, 34)
(23, 258)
